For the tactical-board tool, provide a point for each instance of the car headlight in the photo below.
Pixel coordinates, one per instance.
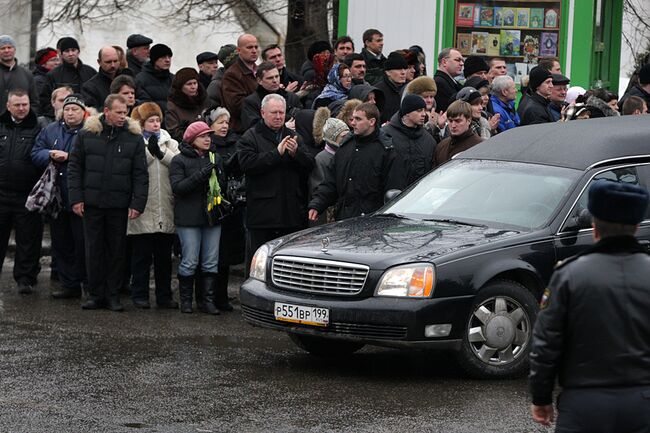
(258, 264)
(411, 281)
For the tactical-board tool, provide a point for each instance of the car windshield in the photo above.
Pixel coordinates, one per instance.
(494, 193)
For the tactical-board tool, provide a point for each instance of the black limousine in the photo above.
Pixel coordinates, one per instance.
(460, 260)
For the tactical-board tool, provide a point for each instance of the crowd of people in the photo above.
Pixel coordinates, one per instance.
(215, 160)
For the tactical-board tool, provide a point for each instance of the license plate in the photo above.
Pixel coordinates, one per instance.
(300, 314)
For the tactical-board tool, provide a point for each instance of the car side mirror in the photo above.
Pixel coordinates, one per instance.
(391, 194)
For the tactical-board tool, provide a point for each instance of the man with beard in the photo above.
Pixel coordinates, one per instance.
(138, 52)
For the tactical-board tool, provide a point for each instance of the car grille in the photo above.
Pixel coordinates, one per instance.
(318, 276)
(375, 332)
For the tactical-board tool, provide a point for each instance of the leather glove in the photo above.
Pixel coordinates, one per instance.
(154, 148)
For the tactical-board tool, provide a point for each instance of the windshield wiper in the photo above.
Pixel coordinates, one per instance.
(393, 215)
(452, 221)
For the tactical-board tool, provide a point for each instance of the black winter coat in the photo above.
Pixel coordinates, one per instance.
(63, 75)
(17, 78)
(108, 166)
(276, 185)
(634, 91)
(365, 167)
(287, 78)
(95, 90)
(153, 85)
(416, 146)
(536, 110)
(374, 66)
(392, 97)
(447, 87)
(17, 173)
(592, 330)
(250, 113)
(189, 174)
(135, 65)
(40, 81)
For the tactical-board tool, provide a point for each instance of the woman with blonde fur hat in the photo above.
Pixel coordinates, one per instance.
(152, 235)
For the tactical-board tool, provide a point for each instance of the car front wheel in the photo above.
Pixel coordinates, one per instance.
(496, 340)
(320, 346)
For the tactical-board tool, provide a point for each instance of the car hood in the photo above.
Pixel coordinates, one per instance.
(380, 241)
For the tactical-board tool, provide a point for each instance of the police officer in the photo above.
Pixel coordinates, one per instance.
(593, 331)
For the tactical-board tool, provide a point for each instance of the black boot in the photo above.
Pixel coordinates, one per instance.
(185, 289)
(198, 290)
(221, 291)
(208, 280)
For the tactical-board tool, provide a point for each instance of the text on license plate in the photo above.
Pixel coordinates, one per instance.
(301, 314)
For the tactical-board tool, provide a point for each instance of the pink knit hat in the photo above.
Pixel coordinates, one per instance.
(194, 130)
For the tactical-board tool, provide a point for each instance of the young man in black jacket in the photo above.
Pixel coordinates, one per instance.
(108, 182)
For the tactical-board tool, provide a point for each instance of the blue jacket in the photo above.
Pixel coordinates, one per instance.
(509, 117)
(56, 136)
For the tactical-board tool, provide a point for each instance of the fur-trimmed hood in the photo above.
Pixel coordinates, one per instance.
(347, 109)
(95, 124)
(320, 117)
(599, 108)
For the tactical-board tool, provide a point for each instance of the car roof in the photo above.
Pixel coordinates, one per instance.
(578, 144)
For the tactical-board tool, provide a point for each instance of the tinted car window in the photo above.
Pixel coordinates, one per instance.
(489, 192)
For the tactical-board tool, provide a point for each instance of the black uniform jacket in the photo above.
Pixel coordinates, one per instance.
(593, 328)
(276, 185)
(365, 167)
(536, 110)
(108, 166)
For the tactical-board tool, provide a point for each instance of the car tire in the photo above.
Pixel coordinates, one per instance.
(498, 332)
(320, 346)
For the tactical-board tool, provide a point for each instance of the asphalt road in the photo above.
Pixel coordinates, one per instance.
(67, 370)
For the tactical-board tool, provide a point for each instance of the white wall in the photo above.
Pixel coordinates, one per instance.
(405, 23)
(638, 40)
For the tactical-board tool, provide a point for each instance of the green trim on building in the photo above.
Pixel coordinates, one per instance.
(582, 49)
(343, 18)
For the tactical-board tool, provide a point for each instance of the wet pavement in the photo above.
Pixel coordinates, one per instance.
(67, 370)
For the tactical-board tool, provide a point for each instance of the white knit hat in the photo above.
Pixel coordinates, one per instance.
(332, 129)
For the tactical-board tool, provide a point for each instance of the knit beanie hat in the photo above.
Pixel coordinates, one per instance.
(332, 129)
(474, 64)
(144, 111)
(421, 85)
(194, 130)
(183, 76)
(75, 99)
(318, 47)
(158, 51)
(66, 43)
(43, 55)
(411, 103)
(644, 74)
(537, 76)
(7, 40)
(227, 55)
(395, 61)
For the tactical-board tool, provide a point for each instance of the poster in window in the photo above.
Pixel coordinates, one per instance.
(498, 16)
(479, 42)
(487, 16)
(465, 14)
(550, 18)
(464, 43)
(510, 42)
(536, 18)
(493, 44)
(530, 47)
(548, 45)
(523, 15)
(509, 16)
(521, 69)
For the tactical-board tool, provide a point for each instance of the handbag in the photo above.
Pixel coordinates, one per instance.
(218, 207)
(45, 197)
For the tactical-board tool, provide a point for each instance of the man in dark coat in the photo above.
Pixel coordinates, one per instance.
(18, 130)
(239, 80)
(461, 137)
(12, 75)
(290, 82)
(642, 90)
(227, 56)
(95, 90)
(138, 52)
(208, 63)
(592, 332)
(108, 182)
(268, 79)
(373, 44)
(155, 81)
(535, 108)
(450, 65)
(276, 165)
(71, 73)
(392, 85)
(365, 167)
(409, 138)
